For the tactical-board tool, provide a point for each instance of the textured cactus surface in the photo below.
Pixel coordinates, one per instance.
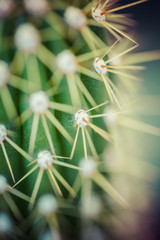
(69, 81)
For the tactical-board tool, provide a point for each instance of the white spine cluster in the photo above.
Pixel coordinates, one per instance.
(45, 159)
(3, 132)
(27, 38)
(39, 102)
(80, 116)
(3, 184)
(66, 62)
(37, 7)
(99, 66)
(47, 204)
(5, 223)
(6, 7)
(97, 15)
(111, 116)
(4, 73)
(89, 167)
(75, 17)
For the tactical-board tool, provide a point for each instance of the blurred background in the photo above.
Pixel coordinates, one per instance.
(148, 34)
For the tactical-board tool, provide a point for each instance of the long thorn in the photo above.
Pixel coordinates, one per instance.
(85, 91)
(33, 135)
(108, 50)
(59, 126)
(63, 182)
(32, 162)
(121, 54)
(7, 160)
(52, 184)
(20, 150)
(100, 105)
(108, 88)
(124, 74)
(91, 145)
(73, 90)
(103, 183)
(111, 91)
(17, 193)
(105, 3)
(46, 56)
(106, 114)
(66, 165)
(127, 67)
(23, 117)
(125, 6)
(75, 142)
(84, 145)
(56, 156)
(47, 132)
(62, 107)
(100, 131)
(110, 30)
(32, 170)
(121, 32)
(89, 73)
(55, 182)
(90, 55)
(12, 206)
(139, 126)
(36, 187)
(8, 103)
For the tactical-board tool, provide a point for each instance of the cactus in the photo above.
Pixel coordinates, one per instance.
(67, 81)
